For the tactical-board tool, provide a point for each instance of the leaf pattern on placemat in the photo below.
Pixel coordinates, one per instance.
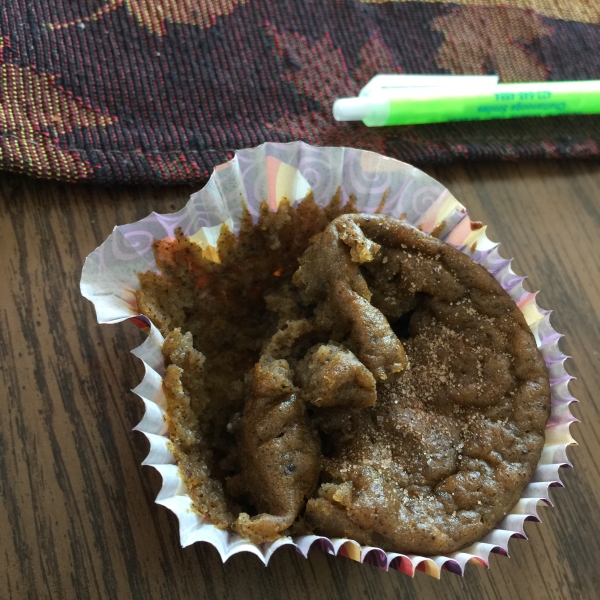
(34, 110)
(480, 39)
(585, 11)
(154, 14)
(319, 72)
(187, 82)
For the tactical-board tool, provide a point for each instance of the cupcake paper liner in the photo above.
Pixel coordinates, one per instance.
(273, 172)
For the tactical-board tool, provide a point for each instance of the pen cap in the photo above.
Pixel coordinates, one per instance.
(351, 109)
(389, 85)
(372, 111)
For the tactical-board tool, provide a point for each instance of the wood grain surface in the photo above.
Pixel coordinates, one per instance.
(77, 516)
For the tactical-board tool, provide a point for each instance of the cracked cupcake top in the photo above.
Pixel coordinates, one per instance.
(347, 375)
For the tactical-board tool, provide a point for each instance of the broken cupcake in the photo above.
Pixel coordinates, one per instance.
(347, 375)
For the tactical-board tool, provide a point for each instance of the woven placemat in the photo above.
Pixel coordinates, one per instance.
(159, 91)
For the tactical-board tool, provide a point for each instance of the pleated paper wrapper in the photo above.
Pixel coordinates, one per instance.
(272, 172)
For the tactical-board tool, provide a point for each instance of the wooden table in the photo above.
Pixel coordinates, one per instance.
(77, 517)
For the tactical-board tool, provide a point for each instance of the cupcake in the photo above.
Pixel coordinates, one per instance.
(336, 368)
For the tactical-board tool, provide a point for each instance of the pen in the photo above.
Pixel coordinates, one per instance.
(444, 100)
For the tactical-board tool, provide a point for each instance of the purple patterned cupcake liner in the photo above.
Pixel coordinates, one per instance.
(272, 172)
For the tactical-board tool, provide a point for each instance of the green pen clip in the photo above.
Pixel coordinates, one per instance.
(419, 99)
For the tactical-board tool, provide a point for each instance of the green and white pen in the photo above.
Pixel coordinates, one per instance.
(417, 99)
